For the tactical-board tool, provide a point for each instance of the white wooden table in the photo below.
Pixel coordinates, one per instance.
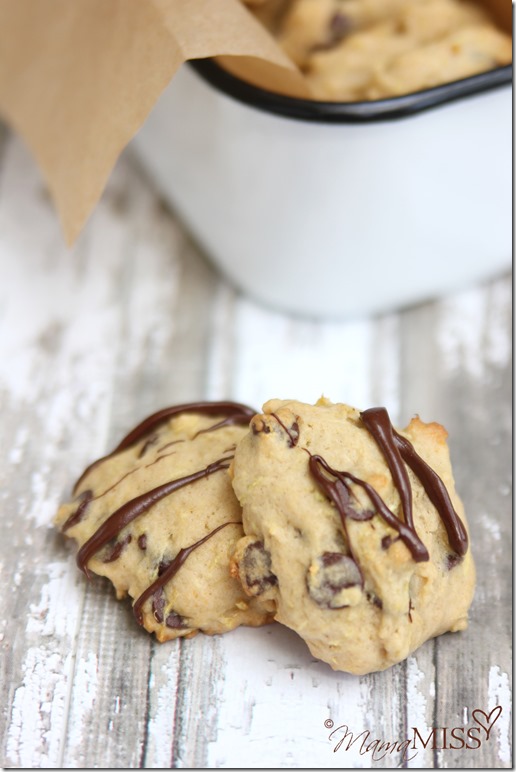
(134, 319)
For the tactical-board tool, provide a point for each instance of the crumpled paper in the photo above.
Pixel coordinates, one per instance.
(79, 77)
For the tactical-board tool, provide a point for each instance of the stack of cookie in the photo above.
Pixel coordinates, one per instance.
(354, 50)
(210, 516)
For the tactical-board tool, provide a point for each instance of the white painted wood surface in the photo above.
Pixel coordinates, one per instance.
(133, 319)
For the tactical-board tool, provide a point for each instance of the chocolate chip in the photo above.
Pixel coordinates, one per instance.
(255, 567)
(331, 558)
(329, 575)
(339, 26)
(453, 560)
(163, 565)
(294, 434)
(259, 427)
(374, 599)
(175, 621)
(358, 514)
(77, 516)
(142, 541)
(158, 604)
(117, 549)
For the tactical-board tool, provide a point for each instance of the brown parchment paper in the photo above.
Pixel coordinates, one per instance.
(79, 77)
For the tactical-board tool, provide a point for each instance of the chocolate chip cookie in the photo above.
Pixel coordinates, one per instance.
(159, 518)
(354, 50)
(354, 531)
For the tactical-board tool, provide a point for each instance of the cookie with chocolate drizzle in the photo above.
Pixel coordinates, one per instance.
(354, 531)
(159, 518)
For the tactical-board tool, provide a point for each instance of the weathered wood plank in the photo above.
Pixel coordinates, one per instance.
(39, 620)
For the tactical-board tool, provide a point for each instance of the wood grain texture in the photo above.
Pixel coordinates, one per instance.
(131, 320)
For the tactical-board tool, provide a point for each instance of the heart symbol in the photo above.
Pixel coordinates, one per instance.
(489, 720)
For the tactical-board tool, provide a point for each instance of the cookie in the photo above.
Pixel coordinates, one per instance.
(354, 50)
(354, 531)
(460, 54)
(158, 517)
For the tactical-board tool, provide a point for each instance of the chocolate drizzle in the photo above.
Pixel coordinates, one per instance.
(155, 589)
(376, 420)
(436, 491)
(237, 415)
(292, 433)
(397, 448)
(397, 451)
(137, 507)
(339, 491)
(147, 444)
